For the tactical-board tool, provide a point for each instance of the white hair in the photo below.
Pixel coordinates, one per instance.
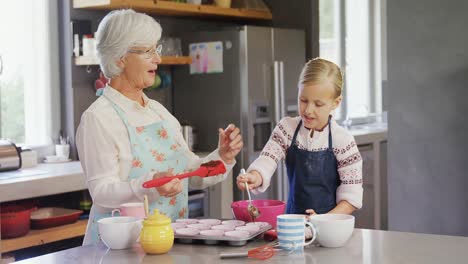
(118, 32)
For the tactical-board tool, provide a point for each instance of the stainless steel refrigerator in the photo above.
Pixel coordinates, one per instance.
(257, 87)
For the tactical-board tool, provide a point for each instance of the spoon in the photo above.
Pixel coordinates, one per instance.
(253, 211)
(207, 169)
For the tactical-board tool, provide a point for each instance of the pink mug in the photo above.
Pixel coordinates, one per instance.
(131, 209)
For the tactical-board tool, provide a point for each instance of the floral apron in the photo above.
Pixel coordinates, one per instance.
(154, 149)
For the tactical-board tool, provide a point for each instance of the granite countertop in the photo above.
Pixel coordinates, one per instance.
(365, 246)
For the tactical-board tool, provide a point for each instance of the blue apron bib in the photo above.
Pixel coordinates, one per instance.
(313, 177)
(154, 149)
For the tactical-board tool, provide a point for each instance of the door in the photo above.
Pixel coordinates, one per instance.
(289, 52)
(288, 59)
(209, 101)
(257, 112)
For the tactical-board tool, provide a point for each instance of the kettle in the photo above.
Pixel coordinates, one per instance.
(10, 156)
(157, 235)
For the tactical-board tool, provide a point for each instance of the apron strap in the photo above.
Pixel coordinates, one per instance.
(330, 142)
(119, 111)
(296, 132)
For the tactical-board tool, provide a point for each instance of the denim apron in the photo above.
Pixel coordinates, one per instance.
(154, 149)
(313, 177)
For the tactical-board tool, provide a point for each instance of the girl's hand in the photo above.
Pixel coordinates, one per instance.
(311, 212)
(230, 143)
(252, 178)
(169, 189)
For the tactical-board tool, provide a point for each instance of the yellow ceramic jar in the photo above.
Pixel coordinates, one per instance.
(157, 236)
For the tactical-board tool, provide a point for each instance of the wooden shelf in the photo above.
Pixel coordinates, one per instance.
(184, 60)
(165, 60)
(169, 8)
(44, 236)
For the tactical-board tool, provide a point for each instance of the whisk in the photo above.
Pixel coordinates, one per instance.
(263, 252)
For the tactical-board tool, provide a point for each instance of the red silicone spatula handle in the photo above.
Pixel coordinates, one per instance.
(157, 182)
(163, 180)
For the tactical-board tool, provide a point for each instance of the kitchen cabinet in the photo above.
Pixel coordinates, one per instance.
(373, 213)
(169, 8)
(44, 236)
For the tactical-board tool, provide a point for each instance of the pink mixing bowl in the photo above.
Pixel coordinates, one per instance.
(269, 210)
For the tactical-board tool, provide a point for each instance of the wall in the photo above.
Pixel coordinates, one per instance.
(428, 128)
(77, 85)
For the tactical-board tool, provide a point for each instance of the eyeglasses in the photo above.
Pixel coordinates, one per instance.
(150, 53)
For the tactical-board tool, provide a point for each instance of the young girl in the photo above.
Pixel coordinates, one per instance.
(323, 162)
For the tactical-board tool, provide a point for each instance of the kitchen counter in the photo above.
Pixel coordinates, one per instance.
(369, 133)
(365, 246)
(42, 180)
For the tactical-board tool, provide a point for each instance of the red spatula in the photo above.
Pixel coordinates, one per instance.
(207, 169)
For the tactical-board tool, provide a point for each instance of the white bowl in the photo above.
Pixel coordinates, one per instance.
(119, 232)
(333, 230)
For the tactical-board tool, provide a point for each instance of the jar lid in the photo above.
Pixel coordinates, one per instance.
(157, 219)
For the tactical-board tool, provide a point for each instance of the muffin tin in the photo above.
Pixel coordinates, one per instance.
(237, 236)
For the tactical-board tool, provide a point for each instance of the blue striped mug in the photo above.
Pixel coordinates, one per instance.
(291, 231)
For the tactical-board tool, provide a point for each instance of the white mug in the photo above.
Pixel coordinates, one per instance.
(131, 209)
(332, 230)
(62, 151)
(291, 231)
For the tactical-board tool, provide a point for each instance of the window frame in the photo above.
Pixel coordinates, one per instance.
(51, 97)
(376, 27)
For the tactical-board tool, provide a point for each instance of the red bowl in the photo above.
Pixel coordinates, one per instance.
(53, 216)
(14, 221)
(269, 210)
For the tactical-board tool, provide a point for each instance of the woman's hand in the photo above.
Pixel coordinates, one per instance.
(169, 189)
(230, 143)
(252, 178)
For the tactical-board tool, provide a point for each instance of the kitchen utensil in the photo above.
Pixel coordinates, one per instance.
(15, 220)
(10, 157)
(53, 216)
(223, 231)
(262, 253)
(253, 211)
(145, 202)
(210, 168)
(119, 232)
(189, 134)
(157, 235)
(270, 210)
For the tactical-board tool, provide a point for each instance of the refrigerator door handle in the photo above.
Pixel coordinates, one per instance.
(277, 88)
(282, 99)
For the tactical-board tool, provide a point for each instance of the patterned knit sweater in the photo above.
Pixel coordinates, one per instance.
(345, 149)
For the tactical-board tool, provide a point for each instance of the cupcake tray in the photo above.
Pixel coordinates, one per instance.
(215, 240)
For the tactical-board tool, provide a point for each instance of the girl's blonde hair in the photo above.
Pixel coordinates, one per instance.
(318, 70)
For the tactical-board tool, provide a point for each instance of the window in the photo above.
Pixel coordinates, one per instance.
(29, 74)
(350, 37)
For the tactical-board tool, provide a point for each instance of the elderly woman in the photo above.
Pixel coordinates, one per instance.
(125, 138)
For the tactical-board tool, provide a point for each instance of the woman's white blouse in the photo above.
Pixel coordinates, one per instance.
(104, 150)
